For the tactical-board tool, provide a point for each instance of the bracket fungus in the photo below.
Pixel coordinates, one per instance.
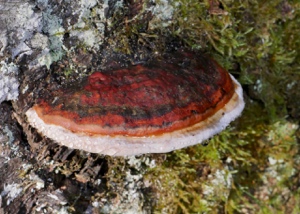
(154, 107)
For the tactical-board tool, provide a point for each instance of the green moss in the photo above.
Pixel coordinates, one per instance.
(254, 40)
(257, 36)
(253, 166)
(244, 152)
(257, 41)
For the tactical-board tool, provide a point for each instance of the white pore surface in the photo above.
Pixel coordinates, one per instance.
(123, 145)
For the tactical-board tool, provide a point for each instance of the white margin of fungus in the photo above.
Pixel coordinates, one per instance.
(123, 145)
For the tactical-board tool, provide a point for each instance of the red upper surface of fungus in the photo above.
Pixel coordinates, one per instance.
(142, 100)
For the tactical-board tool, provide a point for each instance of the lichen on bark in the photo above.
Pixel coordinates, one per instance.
(251, 167)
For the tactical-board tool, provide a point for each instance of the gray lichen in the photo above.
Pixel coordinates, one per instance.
(83, 30)
(10, 192)
(162, 12)
(19, 28)
(130, 197)
(8, 81)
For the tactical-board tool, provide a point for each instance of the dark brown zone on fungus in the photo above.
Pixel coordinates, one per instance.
(160, 96)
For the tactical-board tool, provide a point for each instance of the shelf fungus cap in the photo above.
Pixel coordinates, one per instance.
(156, 107)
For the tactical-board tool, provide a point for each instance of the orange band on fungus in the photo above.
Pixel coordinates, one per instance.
(165, 108)
(153, 100)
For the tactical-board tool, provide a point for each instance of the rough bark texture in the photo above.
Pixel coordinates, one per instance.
(40, 43)
(42, 177)
(252, 166)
